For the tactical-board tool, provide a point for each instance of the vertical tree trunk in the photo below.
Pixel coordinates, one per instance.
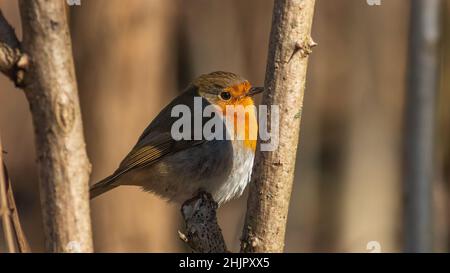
(420, 120)
(270, 190)
(51, 91)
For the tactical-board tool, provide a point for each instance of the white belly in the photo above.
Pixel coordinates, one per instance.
(240, 174)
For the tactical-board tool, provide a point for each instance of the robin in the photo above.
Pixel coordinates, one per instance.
(178, 169)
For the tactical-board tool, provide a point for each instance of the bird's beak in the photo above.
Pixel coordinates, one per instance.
(255, 90)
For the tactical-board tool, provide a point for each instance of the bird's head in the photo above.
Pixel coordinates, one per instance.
(226, 89)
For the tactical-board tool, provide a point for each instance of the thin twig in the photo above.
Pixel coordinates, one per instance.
(5, 212)
(21, 239)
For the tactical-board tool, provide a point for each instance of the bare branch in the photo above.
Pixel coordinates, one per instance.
(5, 212)
(51, 90)
(273, 172)
(20, 237)
(203, 233)
(13, 63)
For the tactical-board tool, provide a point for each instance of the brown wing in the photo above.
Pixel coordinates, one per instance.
(163, 144)
(148, 154)
(142, 156)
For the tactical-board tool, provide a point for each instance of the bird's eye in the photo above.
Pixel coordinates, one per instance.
(225, 96)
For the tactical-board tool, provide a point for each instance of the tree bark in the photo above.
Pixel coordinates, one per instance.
(51, 90)
(420, 120)
(270, 189)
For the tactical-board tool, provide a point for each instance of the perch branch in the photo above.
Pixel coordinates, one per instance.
(273, 171)
(203, 233)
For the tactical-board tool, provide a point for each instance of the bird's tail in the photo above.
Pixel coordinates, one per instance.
(102, 186)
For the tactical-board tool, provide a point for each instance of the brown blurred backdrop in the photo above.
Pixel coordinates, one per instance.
(132, 59)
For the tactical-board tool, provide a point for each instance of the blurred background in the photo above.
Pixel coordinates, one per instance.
(132, 59)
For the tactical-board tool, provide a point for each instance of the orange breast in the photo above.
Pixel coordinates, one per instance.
(244, 120)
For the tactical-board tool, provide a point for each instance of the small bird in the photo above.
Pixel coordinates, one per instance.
(178, 169)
